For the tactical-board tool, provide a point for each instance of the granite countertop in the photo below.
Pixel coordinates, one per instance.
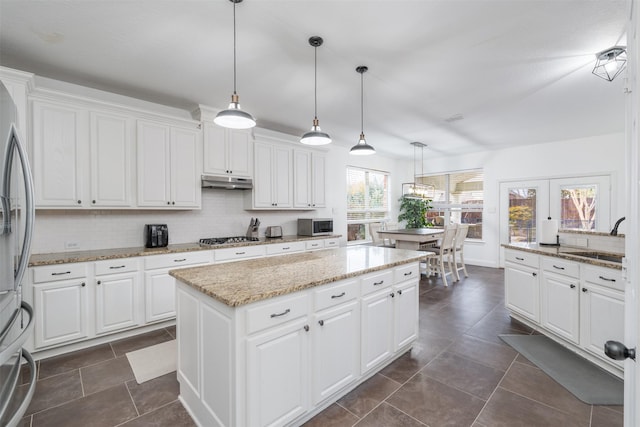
(244, 282)
(103, 254)
(568, 253)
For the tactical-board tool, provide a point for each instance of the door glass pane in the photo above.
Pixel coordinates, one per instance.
(522, 215)
(578, 207)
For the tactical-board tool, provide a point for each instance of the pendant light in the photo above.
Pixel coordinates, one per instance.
(362, 148)
(315, 136)
(413, 190)
(233, 117)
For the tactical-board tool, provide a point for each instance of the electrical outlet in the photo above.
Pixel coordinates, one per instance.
(71, 244)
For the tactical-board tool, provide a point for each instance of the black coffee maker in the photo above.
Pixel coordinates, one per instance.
(156, 235)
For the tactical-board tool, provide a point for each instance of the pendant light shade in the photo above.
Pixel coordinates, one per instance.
(233, 117)
(610, 62)
(315, 136)
(362, 148)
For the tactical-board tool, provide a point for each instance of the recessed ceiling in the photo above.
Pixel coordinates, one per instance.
(459, 76)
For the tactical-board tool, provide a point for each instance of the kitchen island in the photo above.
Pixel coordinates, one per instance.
(274, 341)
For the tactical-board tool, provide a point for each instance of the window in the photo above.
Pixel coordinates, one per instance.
(367, 201)
(458, 198)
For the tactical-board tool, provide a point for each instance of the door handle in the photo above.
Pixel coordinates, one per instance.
(618, 351)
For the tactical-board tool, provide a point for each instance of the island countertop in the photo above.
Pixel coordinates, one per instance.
(244, 282)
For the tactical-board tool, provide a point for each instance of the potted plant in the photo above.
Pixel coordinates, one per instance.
(414, 211)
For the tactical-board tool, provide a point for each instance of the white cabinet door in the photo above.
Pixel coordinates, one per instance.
(185, 173)
(277, 374)
(335, 355)
(59, 160)
(61, 312)
(117, 302)
(111, 157)
(154, 175)
(272, 181)
(602, 318)
(405, 314)
(560, 305)
(522, 290)
(226, 151)
(302, 179)
(377, 329)
(160, 290)
(282, 188)
(318, 177)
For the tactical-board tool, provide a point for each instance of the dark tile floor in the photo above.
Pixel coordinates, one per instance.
(459, 373)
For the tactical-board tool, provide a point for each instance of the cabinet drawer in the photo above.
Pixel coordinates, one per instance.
(285, 248)
(332, 243)
(607, 277)
(267, 315)
(314, 244)
(376, 281)
(336, 294)
(177, 259)
(524, 258)
(51, 273)
(560, 266)
(240, 252)
(406, 272)
(113, 266)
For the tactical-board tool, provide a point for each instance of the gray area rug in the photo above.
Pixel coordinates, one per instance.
(583, 379)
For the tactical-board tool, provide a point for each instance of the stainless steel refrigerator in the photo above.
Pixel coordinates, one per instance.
(16, 228)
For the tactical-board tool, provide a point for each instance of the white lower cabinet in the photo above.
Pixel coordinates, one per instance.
(278, 362)
(560, 299)
(522, 289)
(117, 295)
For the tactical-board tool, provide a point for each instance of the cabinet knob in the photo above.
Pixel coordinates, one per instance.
(399, 291)
(168, 203)
(321, 322)
(572, 286)
(534, 274)
(83, 284)
(230, 171)
(79, 202)
(93, 201)
(306, 328)
(392, 295)
(584, 290)
(99, 282)
(173, 203)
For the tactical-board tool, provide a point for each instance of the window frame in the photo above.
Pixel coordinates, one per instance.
(367, 221)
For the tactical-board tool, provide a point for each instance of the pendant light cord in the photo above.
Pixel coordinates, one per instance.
(234, 48)
(361, 103)
(315, 82)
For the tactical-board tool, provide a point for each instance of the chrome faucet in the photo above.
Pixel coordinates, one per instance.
(614, 232)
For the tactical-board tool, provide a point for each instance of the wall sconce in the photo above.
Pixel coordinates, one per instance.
(610, 62)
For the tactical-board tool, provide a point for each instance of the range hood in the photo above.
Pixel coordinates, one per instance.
(226, 182)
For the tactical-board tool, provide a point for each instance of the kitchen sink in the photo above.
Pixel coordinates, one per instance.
(599, 256)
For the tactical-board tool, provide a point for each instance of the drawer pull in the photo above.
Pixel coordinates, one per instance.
(519, 259)
(114, 267)
(180, 260)
(607, 279)
(306, 328)
(378, 283)
(559, 268)
(399, 291)
(321, 322)
(287, 311)
(408, 274)
(240, 253)
(314, 245)
(338, 296)
(61, 274)
(585, 290)
(287, 248)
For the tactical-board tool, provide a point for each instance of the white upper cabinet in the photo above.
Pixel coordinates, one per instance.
(59, 158)
(111, 160)
(309, 179)
(272, 183)
(227, 152)
(168, 171)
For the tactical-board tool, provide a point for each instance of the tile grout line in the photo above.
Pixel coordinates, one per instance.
(150, 412)
(132, 400)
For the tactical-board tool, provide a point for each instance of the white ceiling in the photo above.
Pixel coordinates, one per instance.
(518, 71)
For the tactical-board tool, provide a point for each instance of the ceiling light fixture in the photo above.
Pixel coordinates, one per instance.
(610, 62)
(413, 190)
(233, 117)
(362, 148)
(315, 136)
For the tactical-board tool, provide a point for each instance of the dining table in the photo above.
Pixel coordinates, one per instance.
(412, 238)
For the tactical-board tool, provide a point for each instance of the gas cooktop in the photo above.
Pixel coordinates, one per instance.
(224, 240)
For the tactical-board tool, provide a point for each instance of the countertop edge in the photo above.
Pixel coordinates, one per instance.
(568, 256)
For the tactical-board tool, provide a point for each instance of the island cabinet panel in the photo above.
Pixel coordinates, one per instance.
(280, 361)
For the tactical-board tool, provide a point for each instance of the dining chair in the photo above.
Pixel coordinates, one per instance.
(374, 227)
(458, 250)
(442, 253)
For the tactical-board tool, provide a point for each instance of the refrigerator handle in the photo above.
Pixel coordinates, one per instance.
(29, 213)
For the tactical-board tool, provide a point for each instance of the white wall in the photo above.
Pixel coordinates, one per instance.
(593, 155)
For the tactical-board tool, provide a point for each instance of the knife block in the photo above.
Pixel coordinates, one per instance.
(252, 232)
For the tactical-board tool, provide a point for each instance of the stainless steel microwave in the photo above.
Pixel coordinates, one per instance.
(315, 226)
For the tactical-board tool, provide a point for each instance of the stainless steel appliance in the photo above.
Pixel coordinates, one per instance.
(273, 231)
(213, 241)
(156, 235)
(226, 182)
(315, 226)
(16, 228)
